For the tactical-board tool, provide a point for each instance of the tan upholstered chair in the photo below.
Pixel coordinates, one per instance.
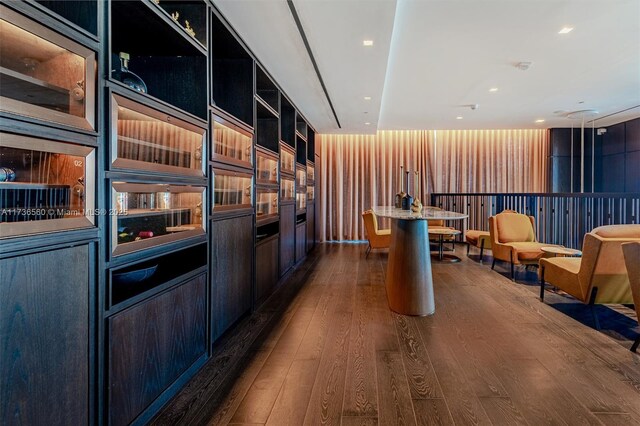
(480, 239)
(378, 238)
(632, 261)
(513, 240)
(600, 275)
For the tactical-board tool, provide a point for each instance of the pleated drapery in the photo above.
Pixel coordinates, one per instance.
(361, 171)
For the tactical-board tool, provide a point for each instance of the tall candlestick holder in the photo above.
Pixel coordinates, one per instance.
(416, 206)
(407, 200)
(400, 195)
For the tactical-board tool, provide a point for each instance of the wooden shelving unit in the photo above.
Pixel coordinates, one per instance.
(138, 323)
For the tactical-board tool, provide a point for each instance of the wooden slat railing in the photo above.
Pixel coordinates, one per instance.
(559, 218)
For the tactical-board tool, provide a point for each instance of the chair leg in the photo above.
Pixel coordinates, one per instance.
(481, 251)
(368, 251)
(635, 344)
(542, 284)
(493, 264)
(468, 247)
(592, 300)
(513, 272)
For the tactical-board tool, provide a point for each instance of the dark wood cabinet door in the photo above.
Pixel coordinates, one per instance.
(287, 237)
(151, 344)
(231, 271)
(311, 227)
(301, 241)
(267, 268)
(44, 337)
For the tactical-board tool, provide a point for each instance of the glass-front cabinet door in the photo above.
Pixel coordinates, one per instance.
(231, 190)
(266, 204)
(311, 196)
(45, 185)
(287, 189)
(266, 169)
(44, 74)
(301, 201)
(301, 177)
(287, 160)
(231, 144)
(311, 173)
(146, 139)
(147, 214)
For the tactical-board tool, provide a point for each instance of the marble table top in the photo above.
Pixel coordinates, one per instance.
(427, 213)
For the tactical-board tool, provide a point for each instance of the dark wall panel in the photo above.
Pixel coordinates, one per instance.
(632, 178)
(633, 135)
(613, 140)
(613, 173)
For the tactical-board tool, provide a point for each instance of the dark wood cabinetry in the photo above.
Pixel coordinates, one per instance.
(45, 322)
(287, 237)
(123, 306)
(267, 267)
(301, 241)
(311, 227)
(151, 345)
(231, 271)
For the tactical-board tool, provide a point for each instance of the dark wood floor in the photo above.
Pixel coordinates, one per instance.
(327, 350)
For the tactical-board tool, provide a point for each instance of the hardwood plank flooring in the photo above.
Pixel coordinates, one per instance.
(326, 349)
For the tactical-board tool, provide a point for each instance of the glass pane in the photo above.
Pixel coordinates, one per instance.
(301, 201)
(152, 143)
(286, 161)
(301, 177)
(231, 191)
(266, 203)
(311, 174)
(287, 189)
(231, 144)
(266, 169)
(38, 72)
(152, 211)
(310, 193)
(46, 181)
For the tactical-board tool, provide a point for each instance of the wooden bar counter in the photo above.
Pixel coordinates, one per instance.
(409, 280)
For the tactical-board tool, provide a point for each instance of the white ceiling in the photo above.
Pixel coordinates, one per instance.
(431, 59)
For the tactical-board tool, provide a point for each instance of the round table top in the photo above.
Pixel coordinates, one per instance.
(561, 251)
(426, 214)
(443, 231)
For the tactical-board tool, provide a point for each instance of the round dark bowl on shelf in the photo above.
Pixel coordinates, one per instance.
(134, 277)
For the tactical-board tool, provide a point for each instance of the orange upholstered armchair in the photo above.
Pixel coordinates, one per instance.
(600, 275)
(378, 238)
(632, 260)
(513, 240)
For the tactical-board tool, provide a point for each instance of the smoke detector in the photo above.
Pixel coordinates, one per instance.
(523, 66)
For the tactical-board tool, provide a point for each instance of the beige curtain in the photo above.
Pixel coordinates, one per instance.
(361, 171)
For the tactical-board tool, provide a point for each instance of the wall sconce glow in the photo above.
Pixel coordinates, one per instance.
(367, 98)
(367, 43)
(540, 120)
(367, 123)
(459, 117)
(565, 30)
(493, 89)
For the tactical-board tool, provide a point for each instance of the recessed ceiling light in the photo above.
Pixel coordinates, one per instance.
(459, 117)
(367, 98)
(367, 42)
(367, 123)
(540, 120)
(565, 30)
(493, 89)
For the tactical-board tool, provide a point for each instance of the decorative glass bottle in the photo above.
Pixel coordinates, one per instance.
(127, 77)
